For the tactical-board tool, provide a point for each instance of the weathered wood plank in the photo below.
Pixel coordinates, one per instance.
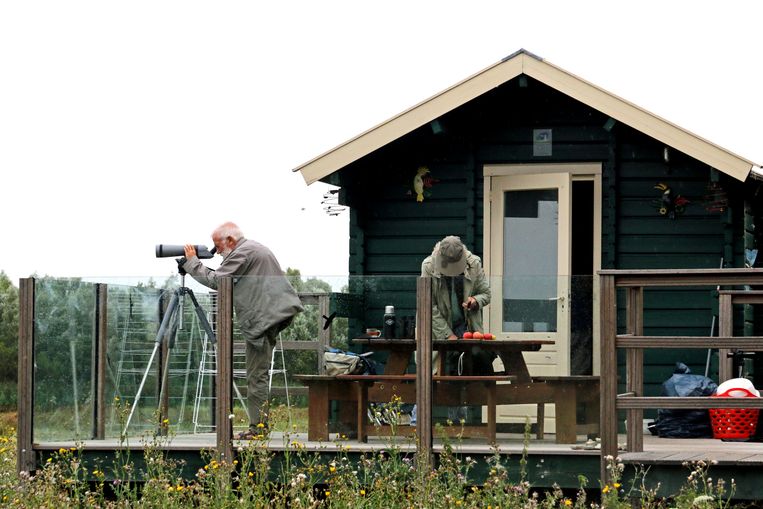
(634, 366)
(424, 369)
(25, 457)
(752, 343)
(100, 347)
(634, 402)
(608, 371)
(224, 388)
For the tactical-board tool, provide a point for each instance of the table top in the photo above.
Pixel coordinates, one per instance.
(458, 344)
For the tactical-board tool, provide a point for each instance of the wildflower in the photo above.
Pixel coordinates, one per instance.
(605, 489)
(166, 422)
(250, 474)
(567, 502)
(61, 451)
(327, 492)
(617, 485)
(362, 493)
(260, 425)
(179, 488)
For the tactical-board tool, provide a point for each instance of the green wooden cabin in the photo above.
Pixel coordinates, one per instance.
(621, 188)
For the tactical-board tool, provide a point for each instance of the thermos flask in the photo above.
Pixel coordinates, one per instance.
(389, 322)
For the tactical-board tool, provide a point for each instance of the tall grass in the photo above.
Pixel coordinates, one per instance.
(387, 479)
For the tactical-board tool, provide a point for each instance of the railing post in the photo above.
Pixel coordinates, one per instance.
(25, 458)
(100, 347)
(324, 333)
(224, 386)
(634, 367)
(725, 329)
(608, 371)
(424, 372)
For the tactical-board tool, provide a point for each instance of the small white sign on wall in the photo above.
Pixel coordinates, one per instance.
(542, 142)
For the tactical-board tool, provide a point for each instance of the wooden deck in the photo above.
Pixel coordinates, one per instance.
(656, 450)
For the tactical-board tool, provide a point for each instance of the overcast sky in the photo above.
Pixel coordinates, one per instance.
(127, 124)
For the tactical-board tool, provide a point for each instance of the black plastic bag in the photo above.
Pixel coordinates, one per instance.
(672, 423)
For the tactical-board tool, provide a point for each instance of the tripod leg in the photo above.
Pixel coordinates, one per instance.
(140, 388)
(167, 322)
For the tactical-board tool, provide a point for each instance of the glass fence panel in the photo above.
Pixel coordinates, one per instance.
(161, 361)
(62, 373)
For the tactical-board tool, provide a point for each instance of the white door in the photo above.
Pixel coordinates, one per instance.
(529, 265)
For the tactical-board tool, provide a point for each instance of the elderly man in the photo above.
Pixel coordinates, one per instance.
(459, 289)
(264, 301)
(459, 292)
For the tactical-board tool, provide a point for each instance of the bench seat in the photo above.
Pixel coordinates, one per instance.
(565, 392)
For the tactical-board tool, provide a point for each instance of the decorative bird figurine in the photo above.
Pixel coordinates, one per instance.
(670, 204)
(418, 183)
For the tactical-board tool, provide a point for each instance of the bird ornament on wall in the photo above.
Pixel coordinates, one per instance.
(422, 181)
(670, 204)
(418, 183)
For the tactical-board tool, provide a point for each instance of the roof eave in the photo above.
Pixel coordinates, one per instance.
(524, 62)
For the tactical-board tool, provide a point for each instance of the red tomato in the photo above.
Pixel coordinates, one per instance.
(477, 335)
(487, 335)
(467, 335)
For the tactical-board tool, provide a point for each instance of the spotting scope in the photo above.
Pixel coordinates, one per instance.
(167, 250)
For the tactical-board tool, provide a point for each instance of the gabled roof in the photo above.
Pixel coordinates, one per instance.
(524, 62)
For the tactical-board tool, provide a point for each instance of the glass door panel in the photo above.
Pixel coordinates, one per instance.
(530, 260)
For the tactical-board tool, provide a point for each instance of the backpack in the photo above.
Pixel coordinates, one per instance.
(339, 362)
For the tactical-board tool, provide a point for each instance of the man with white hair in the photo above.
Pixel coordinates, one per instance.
(264, 301)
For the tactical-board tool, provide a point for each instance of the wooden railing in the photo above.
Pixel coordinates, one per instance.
(634, 343)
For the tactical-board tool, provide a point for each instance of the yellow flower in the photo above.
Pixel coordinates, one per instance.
(260, 425)
(362, 493)
(61, 450)
(166, 422)
(567, 502)
(250, 474)
(605, 489)
(616, 485)
(179, 488)
(327, 492)
(332, 469)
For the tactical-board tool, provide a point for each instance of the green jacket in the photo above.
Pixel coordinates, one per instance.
(262, 295)
(475, 285)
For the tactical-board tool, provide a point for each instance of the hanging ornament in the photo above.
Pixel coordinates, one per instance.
(716, 199)
(422, 182)
(418, 183)
(670, 204)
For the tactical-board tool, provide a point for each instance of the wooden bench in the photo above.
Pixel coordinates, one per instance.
(473, 390)
(564, 392)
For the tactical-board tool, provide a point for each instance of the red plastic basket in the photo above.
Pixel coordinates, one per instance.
(734, 423)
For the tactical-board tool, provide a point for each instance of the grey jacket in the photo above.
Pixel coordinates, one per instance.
(262, 296)
(475, 285)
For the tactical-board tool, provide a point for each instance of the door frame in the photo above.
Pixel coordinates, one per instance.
(577, 171)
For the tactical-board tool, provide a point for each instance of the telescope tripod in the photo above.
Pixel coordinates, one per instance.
(171, 322)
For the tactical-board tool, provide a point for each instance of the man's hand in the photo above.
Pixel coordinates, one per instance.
(471, 304)
(190, 250)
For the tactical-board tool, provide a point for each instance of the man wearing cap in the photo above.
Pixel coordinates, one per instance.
(459, 289)
(459, 292)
